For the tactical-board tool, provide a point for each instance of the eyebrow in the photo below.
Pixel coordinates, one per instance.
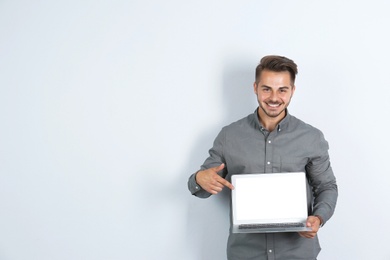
(284, 87)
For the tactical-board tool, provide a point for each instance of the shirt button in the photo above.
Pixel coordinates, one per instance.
(268, 162)
(269, 141)
(270, 250)
(197, 187)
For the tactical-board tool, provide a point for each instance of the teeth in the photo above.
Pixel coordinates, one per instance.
(273, 105)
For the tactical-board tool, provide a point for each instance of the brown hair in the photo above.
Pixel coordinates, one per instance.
(277, 64)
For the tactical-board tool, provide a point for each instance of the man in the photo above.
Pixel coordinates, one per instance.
(271, 141)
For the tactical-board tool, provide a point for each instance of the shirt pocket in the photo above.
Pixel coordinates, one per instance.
(293, 164)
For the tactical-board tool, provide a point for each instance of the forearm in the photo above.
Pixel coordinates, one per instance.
(325, 202)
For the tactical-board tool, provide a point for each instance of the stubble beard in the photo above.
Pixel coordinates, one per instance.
(272, 114)
(275, 114)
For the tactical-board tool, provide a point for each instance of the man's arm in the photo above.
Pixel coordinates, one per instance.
(210, 179)
(208, 182)
(324, 187)
(322, 181)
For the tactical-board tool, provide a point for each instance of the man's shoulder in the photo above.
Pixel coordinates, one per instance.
(249, 120)
(298, 124)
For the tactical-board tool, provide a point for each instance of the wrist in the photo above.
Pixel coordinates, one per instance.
(320, 219)
(196, 175)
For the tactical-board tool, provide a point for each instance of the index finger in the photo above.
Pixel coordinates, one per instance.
(226, 183)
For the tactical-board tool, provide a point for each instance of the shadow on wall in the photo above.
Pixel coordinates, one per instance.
(208, 220)
(239, 99)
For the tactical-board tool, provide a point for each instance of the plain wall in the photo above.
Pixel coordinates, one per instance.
(107, 107)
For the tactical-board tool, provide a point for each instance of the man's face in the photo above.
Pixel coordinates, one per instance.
(274, 92)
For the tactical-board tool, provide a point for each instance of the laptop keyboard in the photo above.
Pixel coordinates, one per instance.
(271, 225)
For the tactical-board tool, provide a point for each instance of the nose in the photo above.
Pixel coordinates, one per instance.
(273, 96)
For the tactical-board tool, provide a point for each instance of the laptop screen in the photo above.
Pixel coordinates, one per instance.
(269, 198)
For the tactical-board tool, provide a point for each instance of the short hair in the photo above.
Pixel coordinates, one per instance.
(277, 64)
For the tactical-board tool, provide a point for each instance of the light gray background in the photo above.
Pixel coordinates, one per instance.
(106, 108)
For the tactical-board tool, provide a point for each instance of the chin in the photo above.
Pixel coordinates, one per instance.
(275, 113)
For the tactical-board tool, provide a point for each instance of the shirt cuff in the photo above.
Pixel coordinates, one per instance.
(196, 189)
(192, 185)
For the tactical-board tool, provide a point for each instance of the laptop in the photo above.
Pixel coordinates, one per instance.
(269, 202)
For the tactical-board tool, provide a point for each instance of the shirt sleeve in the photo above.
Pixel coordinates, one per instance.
(195, 188)
(215, 159)
(322, 180)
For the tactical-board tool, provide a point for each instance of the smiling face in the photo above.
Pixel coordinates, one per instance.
(274, 91)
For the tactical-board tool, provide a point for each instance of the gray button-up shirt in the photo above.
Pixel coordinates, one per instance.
(294, 146)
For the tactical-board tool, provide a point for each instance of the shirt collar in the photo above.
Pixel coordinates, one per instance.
(283, 124)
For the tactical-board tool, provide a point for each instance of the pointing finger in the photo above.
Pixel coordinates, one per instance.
(225, 183)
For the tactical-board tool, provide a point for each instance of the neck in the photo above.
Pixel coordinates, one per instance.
(268, 122)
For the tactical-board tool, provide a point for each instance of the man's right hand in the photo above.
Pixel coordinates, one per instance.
(211, 182)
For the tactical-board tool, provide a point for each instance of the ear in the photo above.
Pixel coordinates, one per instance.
(255, 87)
(292, 90)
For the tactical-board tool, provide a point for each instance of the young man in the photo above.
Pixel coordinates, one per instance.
(270, 141)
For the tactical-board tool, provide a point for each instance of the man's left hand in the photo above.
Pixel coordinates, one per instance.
(314, 222)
